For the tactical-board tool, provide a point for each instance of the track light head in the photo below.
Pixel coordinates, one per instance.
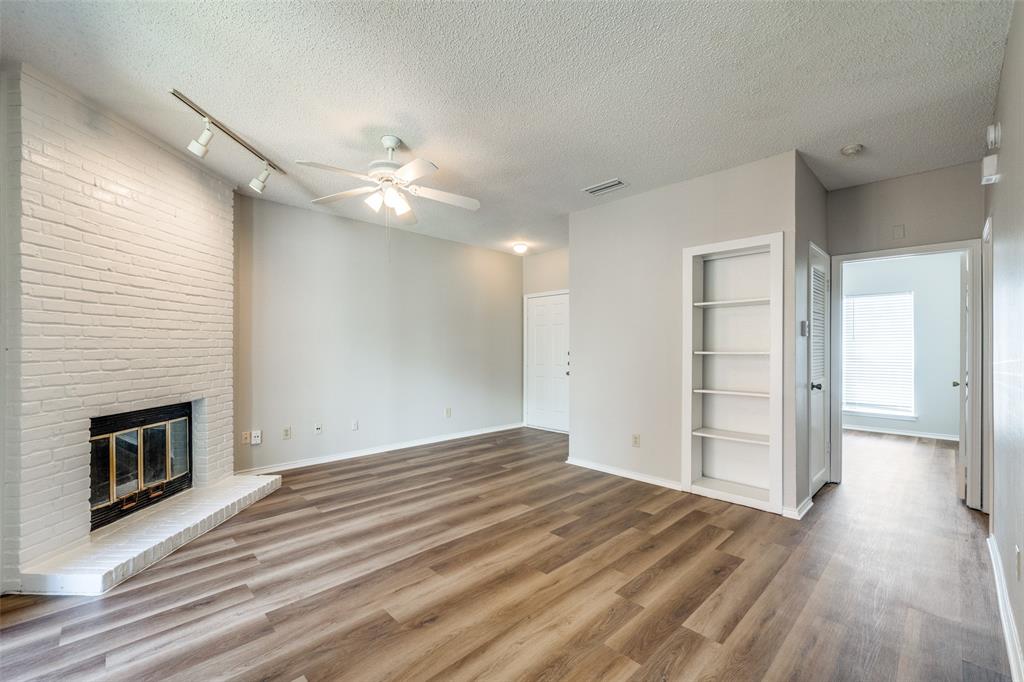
(260, 181)
(201, 145)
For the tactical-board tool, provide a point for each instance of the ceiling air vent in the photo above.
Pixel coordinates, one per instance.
(604, 187)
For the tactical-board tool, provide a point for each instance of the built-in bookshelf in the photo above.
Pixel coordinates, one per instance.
(732, 371)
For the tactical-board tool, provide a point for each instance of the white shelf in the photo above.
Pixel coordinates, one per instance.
(745, 394)
(730, 352)
(734, 492)
(732, 300)
(732, 303)
(735, 436)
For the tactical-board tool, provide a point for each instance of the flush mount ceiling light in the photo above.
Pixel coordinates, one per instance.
(201, 145)
(260, 181)
(852, 149)
(520, 247)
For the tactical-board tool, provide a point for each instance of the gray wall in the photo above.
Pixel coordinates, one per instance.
(944, 205)
(811, 226)
(935, 281)
(1006, 206)
(548, 271)
(626, 316)
(330, 328)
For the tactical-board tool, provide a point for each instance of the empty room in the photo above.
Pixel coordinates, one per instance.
(585, 341)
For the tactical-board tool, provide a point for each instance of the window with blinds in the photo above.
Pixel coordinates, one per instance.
(878, 353)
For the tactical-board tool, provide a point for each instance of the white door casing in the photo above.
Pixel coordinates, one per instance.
(818, 374)
(971, 344)
(546, 365)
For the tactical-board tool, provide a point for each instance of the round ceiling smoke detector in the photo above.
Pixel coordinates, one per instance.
(852, 149)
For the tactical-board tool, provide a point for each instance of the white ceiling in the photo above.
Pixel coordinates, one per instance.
(523, 104)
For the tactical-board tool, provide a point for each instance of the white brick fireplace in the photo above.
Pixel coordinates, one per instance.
(118, 285)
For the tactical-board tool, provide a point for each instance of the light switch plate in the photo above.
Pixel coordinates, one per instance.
(286, 433)
(636, 440)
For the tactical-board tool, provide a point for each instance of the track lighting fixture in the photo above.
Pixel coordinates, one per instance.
(201, 145)
(260, 181)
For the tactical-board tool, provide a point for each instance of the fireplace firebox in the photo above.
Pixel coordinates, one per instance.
(138, 459)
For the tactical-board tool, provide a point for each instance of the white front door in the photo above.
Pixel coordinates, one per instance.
(547, 362)
(818, 370)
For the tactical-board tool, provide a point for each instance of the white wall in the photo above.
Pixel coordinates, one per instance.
(330, 328)
(548, 271)
(944, 205)
(123, 290)
(1006, 206)
(935, 281)
(626, 315)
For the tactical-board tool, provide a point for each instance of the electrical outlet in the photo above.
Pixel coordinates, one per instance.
(899, 232)
(257, 437)
(286, 433)
(448, 412)
(355, 424)
(636, 440)
(246, 437)
(318, 428)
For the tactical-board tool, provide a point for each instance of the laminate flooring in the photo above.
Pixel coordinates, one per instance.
(490, 558)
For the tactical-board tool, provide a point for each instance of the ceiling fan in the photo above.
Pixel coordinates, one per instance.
(390, 180)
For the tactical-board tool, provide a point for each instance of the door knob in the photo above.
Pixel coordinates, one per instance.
(815, 387)
(955, 384)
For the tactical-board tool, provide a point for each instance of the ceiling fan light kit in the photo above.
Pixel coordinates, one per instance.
(391, 181)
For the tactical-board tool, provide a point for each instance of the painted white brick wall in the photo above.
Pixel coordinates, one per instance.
(126, 274)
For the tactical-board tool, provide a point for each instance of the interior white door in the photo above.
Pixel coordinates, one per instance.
(547, 362)
(962, 383)
(818, 370)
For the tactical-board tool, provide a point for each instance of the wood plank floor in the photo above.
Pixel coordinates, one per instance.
(490, 558)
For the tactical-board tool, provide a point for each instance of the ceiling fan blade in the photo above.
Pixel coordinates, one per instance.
(335, 169)
(445, 197)
(414, 170)
(331, 198)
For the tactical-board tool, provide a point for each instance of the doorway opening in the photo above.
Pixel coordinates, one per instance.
(906, 356)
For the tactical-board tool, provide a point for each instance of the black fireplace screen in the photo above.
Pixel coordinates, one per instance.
(138, 459)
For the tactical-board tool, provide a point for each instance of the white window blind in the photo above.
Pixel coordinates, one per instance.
(878, 353)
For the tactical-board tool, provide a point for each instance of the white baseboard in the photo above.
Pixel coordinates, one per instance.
(1013, 645)
(798, 512)
(625, 473)
(376, 450)
(544, 428)
(902, 432)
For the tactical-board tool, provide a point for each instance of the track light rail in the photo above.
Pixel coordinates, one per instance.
(226, 130)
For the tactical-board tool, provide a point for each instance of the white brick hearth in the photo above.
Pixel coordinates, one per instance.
(124, 548)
